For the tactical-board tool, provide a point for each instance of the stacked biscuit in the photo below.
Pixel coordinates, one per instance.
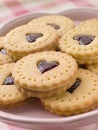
(49, 58)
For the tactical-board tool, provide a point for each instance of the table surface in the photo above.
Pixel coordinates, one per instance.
(14, 8)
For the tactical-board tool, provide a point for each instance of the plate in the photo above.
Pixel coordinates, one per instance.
(34, 115)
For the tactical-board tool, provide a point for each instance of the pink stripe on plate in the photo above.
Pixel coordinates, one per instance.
(6, 18)
(16, 7)
(82, 3)
(15, 128)
(50, 5)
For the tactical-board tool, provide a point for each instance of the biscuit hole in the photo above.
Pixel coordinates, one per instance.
(42, 80)
(4, 95)
(69, 100)
(53, 54)
(68, 46)
(95, 67)
(87, 73)
(30, 79)
(18, 71)
(48, 78)
(20, 75)
(92, 76)
(7, 59)
(23, 77)
(79, 49)
(61, 73)
(18, 68)
(94, 84)
(83, 97)
(34, 45)
(16, 94)
(10, 95)
(68, 62)
(16, 46)
(91, 48)
(94, 80)
(85, 49)
(69, 66)
(28, 46)
(63, 56)
(1, 67)
(21, 64)
(34, 80)
(56, 99)
(89, 93)
(7, 66)
(93, 89)
(73, 48)
(22, 61)
(62, 100)
(54, 77)
(65, 59)
(77, 98)
(66, 70)
(11, 44)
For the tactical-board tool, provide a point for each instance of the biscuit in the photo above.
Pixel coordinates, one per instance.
(48, 93)
(9, 94)
(93, 68)
(61, 24)
(81, 97)
(82, 44)
(27, 39)
(89, 23)
(4, 58)
(45, 73)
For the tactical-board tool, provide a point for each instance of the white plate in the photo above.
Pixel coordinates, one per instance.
(34, 115)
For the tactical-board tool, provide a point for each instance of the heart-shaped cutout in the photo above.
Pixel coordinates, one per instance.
(44, 66)
(84, 39)
(3, 51)
(33, 37)
(9, 81)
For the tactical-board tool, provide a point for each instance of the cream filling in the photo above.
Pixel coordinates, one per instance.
(91, 58)
(66, 84)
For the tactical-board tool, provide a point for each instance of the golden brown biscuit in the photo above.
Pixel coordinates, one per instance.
(45, 73)
(61, 24)
(9, 94)
(27, 39)
(82, 44)
(81, 97)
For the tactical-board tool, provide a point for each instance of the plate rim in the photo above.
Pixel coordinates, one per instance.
(12, 117)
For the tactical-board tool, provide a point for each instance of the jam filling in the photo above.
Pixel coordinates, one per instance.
(82, 66)
(33, 37)
(84, 39)
(9, 81)
(54, 26)
(3, 51)
(74, 86)
(44, 66)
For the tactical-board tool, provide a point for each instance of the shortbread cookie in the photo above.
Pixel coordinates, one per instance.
(60, 23)
(4, 58)
(27, 39)
(93, 68)
(45, 73)
(89, 23)
(25, 102)
(48, 93)
(82, 44)
(81, 97)
(9, 94)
